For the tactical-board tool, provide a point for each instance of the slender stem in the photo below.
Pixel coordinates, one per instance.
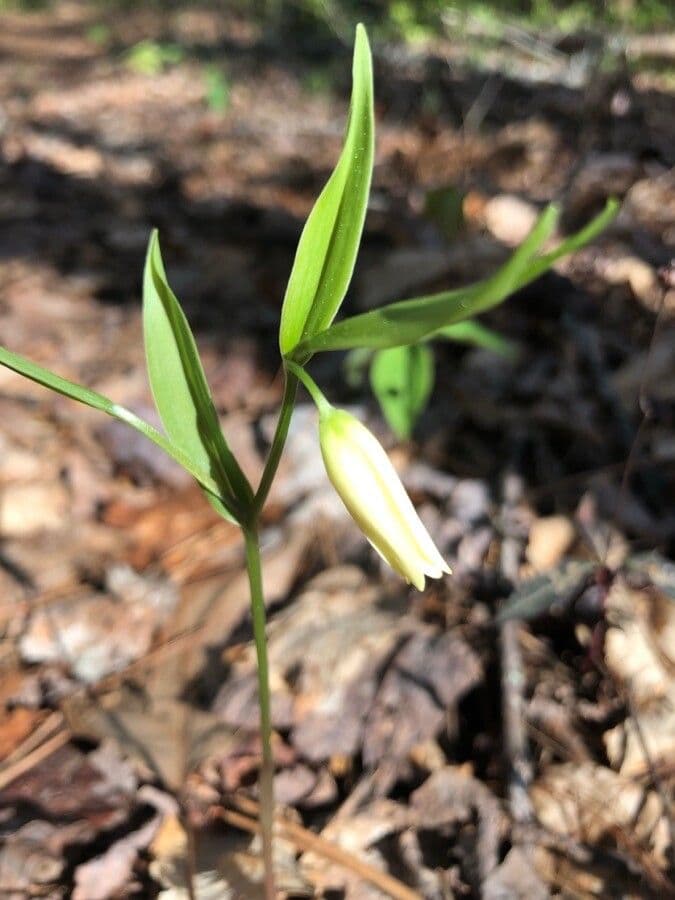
(278, 441)
(267, 768)
(313, 388)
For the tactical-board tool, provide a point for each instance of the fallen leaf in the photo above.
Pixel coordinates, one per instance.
(549, 540)
(515, 879)
(27, 509)
(418, 695)
(70, 786)
(97, 634)
(105, 876)
(571, 799)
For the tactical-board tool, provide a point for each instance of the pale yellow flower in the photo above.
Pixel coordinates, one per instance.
(369, 487)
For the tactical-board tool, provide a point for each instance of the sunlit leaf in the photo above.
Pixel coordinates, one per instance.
(402, 379)
(180, 389)
(575, 241)
(410, 321)
(329, 243)
(97, 401)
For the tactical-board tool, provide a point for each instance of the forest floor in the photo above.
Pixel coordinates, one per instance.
(425, 746)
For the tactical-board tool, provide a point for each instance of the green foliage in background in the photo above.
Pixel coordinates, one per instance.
(150, 57)
(217, 89)
(402, 379)
(414, 19)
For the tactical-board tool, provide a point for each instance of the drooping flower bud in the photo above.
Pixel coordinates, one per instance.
(369, 487)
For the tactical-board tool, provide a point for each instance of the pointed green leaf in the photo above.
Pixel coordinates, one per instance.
(97, 401)
(576, 241)
(402, 379)
(180, 389)
(409, 321)
(327, 250)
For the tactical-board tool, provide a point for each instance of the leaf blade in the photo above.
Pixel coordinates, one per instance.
(72, 390)
(402, 379)
(409, 321)
(326, 253)
(179, 386)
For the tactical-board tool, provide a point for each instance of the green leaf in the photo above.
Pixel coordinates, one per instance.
(97, 401)
(180, 389)
(329, 242)
(471, 332)
(576, 241)
(409, 321)
(217, 89)
(402, 379)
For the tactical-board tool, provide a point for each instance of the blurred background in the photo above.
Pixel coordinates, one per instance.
(218, 123)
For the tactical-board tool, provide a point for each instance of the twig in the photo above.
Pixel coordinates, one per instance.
(53, 722)
(306, 840)
(520, 771)
(21, 766)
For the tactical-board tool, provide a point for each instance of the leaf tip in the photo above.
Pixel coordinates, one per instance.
(612, 206)
(362, 53)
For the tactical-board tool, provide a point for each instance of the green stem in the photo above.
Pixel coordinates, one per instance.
(278, 441)
(267, 768)
(312, 387)
(293, 374)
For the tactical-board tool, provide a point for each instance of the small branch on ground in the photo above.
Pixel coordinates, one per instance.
(247, 818)
(512, 672)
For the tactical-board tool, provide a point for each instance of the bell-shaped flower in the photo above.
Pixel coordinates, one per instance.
(369, 487)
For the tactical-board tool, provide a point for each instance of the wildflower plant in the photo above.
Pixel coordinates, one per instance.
(355, 463)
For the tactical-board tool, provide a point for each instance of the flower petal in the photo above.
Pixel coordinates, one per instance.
(370, 488)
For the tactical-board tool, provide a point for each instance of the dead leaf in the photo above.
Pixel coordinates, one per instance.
(329, 646)
(418, 695)
(27, 509)
(639, 653)
(105, 876)
(594, 805)
(31, 858)
(71, 786)
(550, 539)
(227, 865)
(451, 796)
(515, 879)
(99, 634)
(166, 738)
(359, 834)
